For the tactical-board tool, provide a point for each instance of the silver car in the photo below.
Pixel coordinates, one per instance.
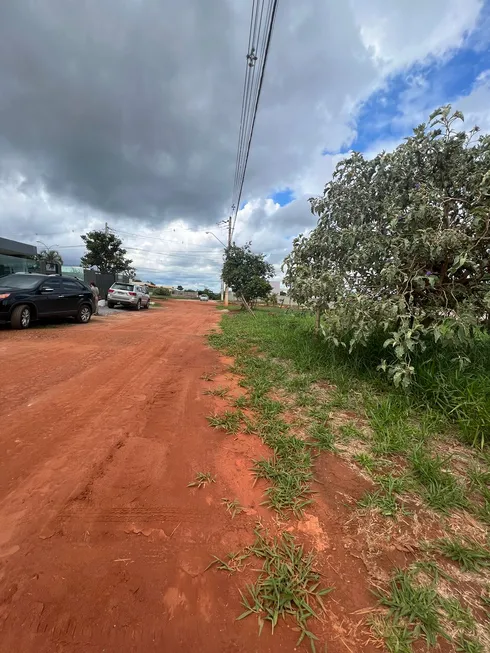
(130, 294)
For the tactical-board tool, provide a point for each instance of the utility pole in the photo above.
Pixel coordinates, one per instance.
(229, 245)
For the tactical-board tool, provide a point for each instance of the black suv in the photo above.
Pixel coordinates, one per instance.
(28, 297)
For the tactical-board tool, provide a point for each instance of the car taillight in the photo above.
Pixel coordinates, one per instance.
(133, 294)
(110, 290)
(5, 295)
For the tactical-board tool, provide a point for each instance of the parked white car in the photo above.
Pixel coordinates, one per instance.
(129, 294)
(203, 298)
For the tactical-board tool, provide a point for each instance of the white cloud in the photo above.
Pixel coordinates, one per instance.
(475, 105)
(401, 33)
(110, 133)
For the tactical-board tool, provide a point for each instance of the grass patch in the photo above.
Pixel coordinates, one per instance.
(470, 556)
(202, 479)
(279, 353)
(418, 607)
(349, 431)
(287, 584)
(397, 638)
(322, 438)
(385, 500)
(289, 471)
(241, 402)
(467, 644)
(439, 487)
(418, 610)
(228, 421)
(366, 461)
(386, 504)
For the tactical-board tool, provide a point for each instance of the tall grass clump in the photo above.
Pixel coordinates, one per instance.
(453, 381)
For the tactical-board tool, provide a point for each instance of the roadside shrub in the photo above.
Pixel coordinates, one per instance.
(401, 250)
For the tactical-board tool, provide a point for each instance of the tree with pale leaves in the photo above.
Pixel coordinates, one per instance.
(401, 245)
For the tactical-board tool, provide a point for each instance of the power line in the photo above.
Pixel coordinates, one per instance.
(173, 252)
(259, 46)
(151, 237)
(194, 254)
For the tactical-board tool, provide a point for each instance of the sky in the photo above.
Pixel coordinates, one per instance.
(126, 112)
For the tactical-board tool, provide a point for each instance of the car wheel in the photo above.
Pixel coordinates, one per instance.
(84, 314)
(147, 305)
(110, 304)
(21, 317)
(138, 305)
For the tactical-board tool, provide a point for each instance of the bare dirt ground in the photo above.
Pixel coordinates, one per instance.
(103, 547)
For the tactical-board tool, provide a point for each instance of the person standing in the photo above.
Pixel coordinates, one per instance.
(95, 293)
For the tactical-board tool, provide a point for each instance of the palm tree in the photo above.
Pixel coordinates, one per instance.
(50, 256)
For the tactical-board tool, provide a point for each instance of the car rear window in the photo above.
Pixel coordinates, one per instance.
(122, 286)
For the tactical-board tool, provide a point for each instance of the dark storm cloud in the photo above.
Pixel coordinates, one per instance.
(128, 110)
(132, 106)
(128, 106)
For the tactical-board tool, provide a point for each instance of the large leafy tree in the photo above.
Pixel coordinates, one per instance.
(105, 252)
(402, 244)
(50, 256)
(247, 273)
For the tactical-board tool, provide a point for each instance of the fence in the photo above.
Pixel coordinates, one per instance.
(103, 281)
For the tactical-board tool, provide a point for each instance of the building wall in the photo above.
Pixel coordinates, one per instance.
(12, 264)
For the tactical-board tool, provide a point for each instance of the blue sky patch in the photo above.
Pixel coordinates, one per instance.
(389, 114)
(282, 197)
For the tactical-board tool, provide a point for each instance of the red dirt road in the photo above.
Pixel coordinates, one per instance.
(103, 547)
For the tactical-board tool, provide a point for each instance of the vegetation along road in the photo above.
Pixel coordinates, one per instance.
(164, 473)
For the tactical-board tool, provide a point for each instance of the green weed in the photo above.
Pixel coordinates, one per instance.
(470, 556)
(287, 584)
(418, 607)
(241, 402)
(202, 479)
(322, 438)
(439, 487)
(459, 616)
(385, 500)
(217, 392)
(303, 399)
(233, 507)
(350, 432)
(366, 461)
(387, 504)
(228, 421)
(392, 431)
(465, 644)
(289, 470)
(397, 637)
